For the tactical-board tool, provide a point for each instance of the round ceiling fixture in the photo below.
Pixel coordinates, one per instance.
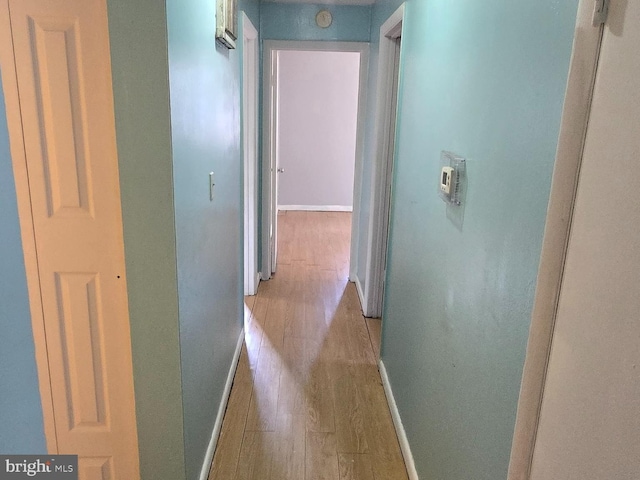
(324, 18)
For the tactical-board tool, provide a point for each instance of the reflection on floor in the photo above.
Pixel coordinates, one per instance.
(307, 401)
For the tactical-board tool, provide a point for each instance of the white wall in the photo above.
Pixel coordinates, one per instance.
(317, 116)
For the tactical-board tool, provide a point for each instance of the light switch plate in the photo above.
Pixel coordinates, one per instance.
(211, 185)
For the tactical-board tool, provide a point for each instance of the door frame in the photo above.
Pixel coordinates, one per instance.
(371, 292)
(269, 137)
(573, 129)
(27, 232)
(250, 62)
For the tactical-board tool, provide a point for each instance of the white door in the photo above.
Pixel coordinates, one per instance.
(589, 426)
(63, 71)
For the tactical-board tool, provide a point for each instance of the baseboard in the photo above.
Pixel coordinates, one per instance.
(317, 208)
(250, 292)
(208, 458)
(258, 278)
(360, 291)
(397, 422)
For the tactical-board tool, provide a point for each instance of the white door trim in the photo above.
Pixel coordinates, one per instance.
(381, 178)
(267, 157)
(250, 57)
(268, 138)
(575, 117)
(19, 161)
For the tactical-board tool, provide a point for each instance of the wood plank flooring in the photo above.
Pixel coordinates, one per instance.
(307, 402)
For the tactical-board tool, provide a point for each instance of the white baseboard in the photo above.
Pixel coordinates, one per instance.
(256, 280)
(397, 422)
(317, 208)
(208, 458)
(360, 291)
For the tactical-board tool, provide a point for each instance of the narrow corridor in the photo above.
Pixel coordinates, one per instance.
(307, 401)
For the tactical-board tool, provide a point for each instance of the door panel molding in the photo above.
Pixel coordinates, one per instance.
(54, 42)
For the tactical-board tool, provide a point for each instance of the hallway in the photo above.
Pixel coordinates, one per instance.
(307, 401)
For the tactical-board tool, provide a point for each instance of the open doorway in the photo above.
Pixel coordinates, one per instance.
(312, 133)
(316, 131)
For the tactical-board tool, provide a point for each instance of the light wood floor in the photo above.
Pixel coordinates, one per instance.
(307, 402)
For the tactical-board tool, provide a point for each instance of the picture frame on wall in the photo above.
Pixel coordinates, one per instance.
(227, 23)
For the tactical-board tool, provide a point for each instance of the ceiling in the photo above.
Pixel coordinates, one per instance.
(326, 2)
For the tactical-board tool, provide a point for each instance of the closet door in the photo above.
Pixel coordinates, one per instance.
(63, 72)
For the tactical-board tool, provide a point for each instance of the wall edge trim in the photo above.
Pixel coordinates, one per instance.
(397, 423)
(217, 427)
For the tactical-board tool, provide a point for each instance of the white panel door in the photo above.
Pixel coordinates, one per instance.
(63, 70)
(589, 425)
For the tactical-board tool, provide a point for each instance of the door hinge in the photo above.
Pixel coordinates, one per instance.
(600, 11)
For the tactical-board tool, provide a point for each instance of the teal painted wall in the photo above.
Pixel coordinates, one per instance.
(21, 424)
(252, 9)
(485, 80)
(290, 21)
(143, 130)
(205, 118)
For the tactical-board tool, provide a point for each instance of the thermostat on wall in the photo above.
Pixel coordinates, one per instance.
(451, 178)
(445, 179)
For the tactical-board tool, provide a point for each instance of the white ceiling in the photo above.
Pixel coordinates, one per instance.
(326, 2)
